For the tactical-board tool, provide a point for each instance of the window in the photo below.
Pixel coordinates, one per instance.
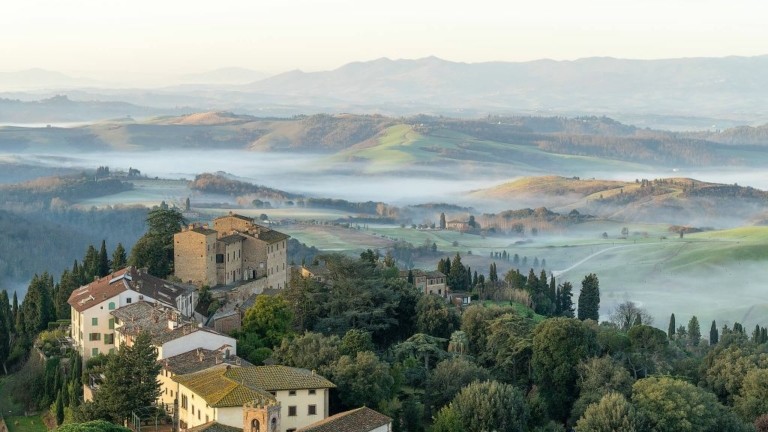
(128, 300)
(94, 321)
(193, 410)
(109, 339)
(184, 401)
(95, 352)
(312, 410)
(291, 392)
(312, 391)
(111, 323)
(94, 336)
(219, 258)
(292, 411)
(111, 305)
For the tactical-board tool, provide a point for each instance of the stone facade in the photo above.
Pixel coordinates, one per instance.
(241, 250)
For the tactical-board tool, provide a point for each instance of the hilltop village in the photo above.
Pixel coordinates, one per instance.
(202, 379)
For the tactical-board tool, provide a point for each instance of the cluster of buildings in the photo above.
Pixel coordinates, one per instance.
(201, 376)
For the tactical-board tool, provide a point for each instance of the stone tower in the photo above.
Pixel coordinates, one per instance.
(262, 414)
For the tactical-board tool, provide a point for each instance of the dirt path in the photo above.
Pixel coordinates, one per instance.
(557, 273)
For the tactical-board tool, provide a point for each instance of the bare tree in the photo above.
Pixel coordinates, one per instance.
(629, 314)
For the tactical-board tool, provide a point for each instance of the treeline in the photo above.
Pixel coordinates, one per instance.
(30, 237)
(431, 366)
(530, 220)
(216, 183)
(368, 207)
(47, 192)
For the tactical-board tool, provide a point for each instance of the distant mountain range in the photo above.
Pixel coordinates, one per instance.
(686, 93)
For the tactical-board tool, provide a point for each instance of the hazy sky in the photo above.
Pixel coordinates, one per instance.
(171, 36)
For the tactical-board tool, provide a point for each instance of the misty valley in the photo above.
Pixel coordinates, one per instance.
(673, 221)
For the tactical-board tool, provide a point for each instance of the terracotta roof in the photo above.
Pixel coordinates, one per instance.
(227, 386)
(271, 236)
(199, 359)
(129, 278)
(99, 290)
(235, 215)
(357, 420)
(144, 316)
(214, 427)
(232, 238)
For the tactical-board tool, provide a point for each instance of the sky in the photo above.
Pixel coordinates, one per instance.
(99, 37)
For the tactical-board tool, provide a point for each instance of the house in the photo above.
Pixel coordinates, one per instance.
(236, 249)
(189, 362)
(460, 299)
(457, 225)
(357, 420)
(296, 397)
(92, 328)
(428, 282)
(171, 333)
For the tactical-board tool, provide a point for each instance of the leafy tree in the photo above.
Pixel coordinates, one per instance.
(269, 319)
(599, 376)
(119, 258)
(677, 406)
(450, 376)
(612, 413)
(485, 406)
(355, 341)
(761, 423)
(459, 343)
(694, 331)
(714, 336)
(752, 400)
(725, 368)
(154, 249)
(509, 348)
(422, 346)
(309, 351)
(434, 317)
(671, 328)
(362, 380)
(589, 298)
(648, 346)
(559, 345)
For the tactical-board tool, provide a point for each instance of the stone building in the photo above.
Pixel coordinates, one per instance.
(236, 249)
(428, 282)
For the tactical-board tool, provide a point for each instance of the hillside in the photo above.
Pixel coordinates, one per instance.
(678, 201)
(520, 144)
(688, 86)
(61, 108)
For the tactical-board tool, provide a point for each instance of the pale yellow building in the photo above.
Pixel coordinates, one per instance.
(219, 393)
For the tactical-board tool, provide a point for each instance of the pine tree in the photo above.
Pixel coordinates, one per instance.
(119, 258)
(671, 328)
(5, 331)
(102, 267)
(756, 337)
(14, 312)
(714, 336)
(38, 308)
(66, 286)
(694, 331)
(90, 264)
(589, 298)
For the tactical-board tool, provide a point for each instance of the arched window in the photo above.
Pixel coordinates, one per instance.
(273, 428)
(111, 305)
(255, 426)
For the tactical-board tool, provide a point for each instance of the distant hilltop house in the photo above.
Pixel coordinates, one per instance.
(428, 282)
(318, 272)
(457, 225)
(236, 249)
(93, 327)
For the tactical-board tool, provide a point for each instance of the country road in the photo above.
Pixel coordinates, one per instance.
(557, 273)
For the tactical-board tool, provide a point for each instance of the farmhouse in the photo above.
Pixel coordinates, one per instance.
(236, 249)
(428, 282)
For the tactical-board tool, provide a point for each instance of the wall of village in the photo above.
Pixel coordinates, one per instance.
(277, 277)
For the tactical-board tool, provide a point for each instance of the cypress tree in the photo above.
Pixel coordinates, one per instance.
(90, 264)
(756, 334)
(102, 267)
(59, 409)
(410, 277)
(5, 332)
(14, 311)
(671, 328)
(589, 298)
(119, 258)
(714, 336)
(566, 300)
